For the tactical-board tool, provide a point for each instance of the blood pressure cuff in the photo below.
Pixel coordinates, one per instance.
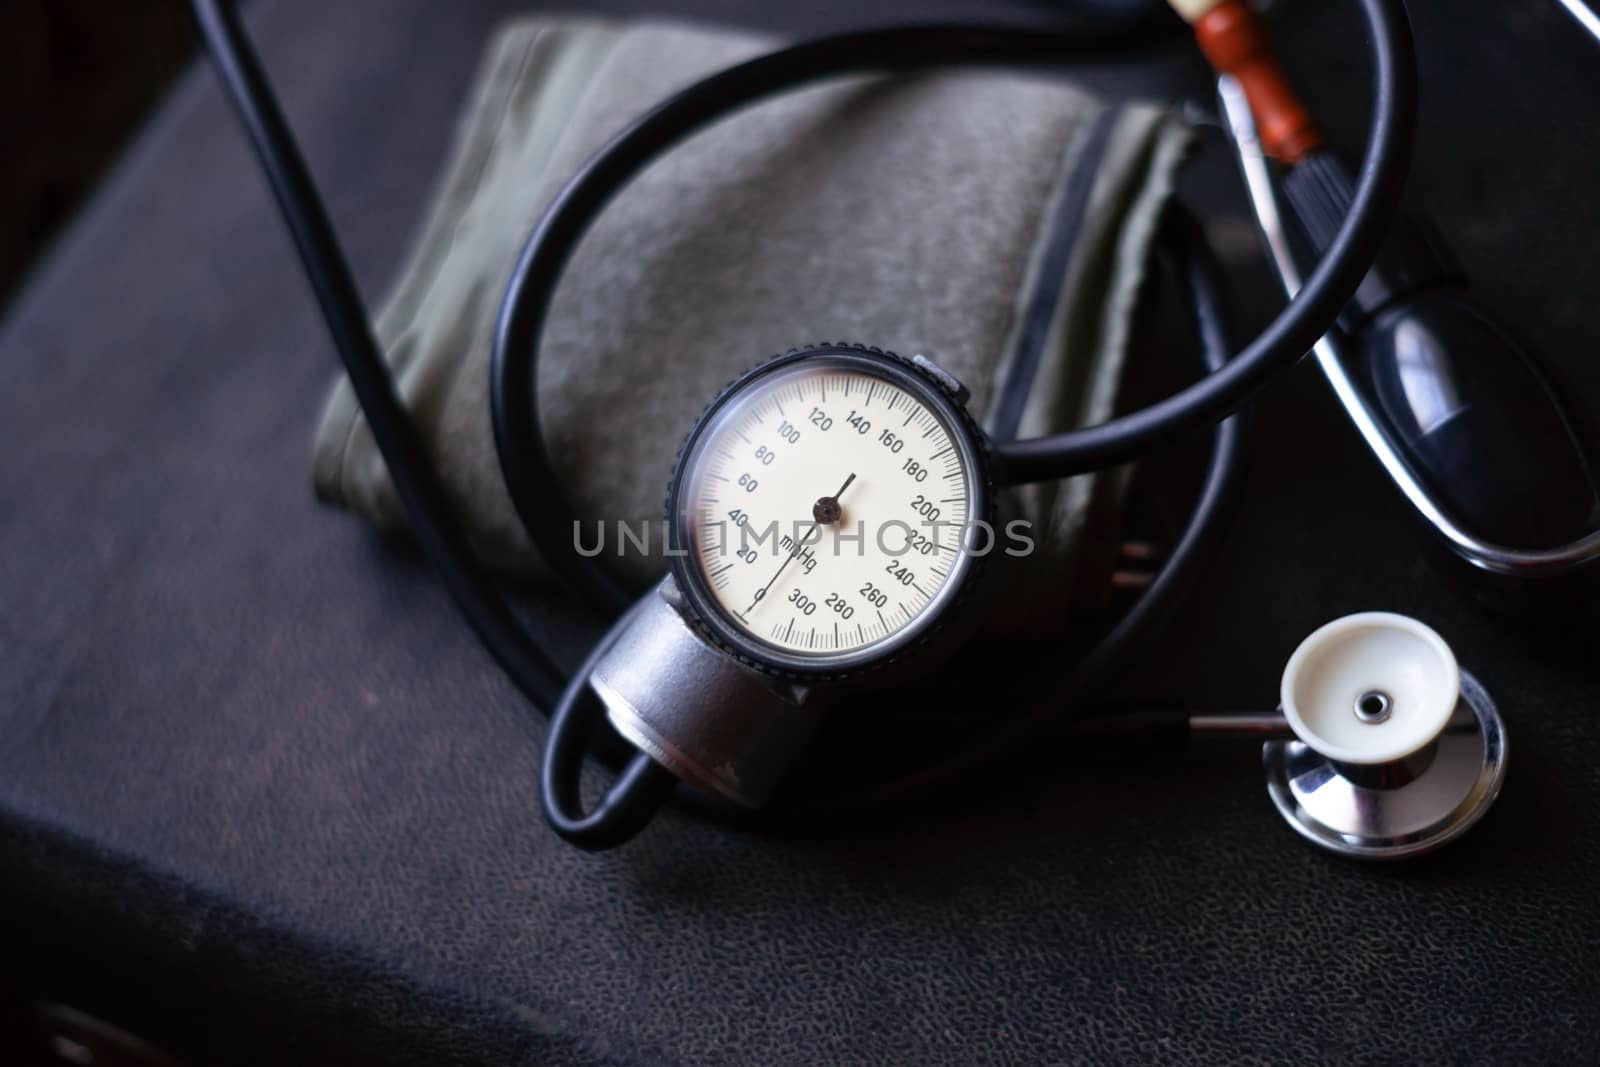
(997, 222)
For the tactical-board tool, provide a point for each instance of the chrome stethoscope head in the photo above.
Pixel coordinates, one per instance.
(1395, 749)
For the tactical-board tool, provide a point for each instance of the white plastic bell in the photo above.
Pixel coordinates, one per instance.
(1398, 750)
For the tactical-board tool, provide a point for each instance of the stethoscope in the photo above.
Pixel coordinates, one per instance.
(825, 512)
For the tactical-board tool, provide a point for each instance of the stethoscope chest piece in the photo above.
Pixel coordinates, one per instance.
(1396, 749)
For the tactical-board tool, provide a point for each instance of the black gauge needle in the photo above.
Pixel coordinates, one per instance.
(825, 510)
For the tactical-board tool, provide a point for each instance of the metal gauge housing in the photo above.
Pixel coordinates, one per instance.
(829, 510)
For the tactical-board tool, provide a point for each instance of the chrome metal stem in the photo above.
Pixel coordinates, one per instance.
(1585, 15)
(1255, 725)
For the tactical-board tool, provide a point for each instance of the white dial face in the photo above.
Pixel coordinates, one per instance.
(827, 505)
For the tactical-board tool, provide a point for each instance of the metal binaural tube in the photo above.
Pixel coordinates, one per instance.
(1476, 550)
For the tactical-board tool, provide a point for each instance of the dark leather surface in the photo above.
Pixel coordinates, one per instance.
(261, 795)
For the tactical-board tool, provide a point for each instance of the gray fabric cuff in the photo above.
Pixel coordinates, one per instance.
(999, 223)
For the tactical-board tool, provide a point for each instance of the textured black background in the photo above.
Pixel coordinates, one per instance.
(75, 78)
(261, 794)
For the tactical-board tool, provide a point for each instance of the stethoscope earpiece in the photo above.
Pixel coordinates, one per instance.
(1397, 750)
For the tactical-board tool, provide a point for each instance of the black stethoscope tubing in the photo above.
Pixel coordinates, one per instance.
(524, 458)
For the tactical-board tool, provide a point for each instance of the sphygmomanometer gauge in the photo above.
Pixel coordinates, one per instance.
(828, 509)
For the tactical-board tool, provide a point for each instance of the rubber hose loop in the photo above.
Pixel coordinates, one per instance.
(636, 794)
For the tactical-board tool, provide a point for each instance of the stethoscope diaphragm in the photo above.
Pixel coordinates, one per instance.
(1396, 750)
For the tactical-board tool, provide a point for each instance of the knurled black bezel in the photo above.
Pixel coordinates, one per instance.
(701, 610)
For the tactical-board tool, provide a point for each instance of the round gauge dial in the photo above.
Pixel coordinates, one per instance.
(823, 508)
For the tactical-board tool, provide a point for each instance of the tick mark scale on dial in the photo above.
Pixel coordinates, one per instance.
(782, 487)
